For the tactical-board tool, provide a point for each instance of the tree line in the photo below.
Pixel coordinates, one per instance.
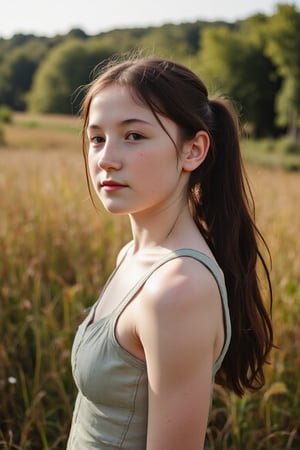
(255, 62)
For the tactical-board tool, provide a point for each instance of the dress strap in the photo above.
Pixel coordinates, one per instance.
(210, 264)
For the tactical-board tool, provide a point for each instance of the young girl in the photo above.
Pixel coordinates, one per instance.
(183, 306)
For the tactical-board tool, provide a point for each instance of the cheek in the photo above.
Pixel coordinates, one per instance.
(91, 164)
(153, 161)
(148, 171)
(157, 167)
(158, 179)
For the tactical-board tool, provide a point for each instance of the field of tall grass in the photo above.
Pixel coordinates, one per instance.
(55, 253)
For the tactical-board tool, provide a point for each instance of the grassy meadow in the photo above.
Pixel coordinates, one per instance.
(55, 253)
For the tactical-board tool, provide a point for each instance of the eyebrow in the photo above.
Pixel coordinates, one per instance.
(123, 122)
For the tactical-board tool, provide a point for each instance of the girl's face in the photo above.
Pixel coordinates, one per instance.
(133, 164)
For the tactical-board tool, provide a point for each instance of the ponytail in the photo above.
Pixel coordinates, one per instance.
(223, 209)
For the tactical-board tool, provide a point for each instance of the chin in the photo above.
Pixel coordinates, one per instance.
(113, 209)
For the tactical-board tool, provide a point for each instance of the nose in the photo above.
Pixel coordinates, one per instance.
(109, 157)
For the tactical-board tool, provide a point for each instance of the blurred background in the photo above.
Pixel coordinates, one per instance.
(56, 249)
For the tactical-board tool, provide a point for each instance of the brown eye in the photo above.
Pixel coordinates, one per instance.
(97, 139)
(134, 137)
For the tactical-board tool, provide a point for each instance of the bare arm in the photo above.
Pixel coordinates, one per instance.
(179, 325)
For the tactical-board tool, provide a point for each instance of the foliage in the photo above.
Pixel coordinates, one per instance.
(122, 41)
(160, 41)
(2, 138)
(5, 114)
(284, 48)
(16, 72)
(233, 63)
(67, 68)
(56, 252)
(254, 61)
(5, 117)
(277, 153)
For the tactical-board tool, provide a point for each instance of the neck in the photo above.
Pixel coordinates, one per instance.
(160, 229)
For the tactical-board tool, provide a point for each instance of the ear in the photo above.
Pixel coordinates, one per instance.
(195, 151)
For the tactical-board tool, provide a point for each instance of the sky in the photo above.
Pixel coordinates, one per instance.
(51, 17)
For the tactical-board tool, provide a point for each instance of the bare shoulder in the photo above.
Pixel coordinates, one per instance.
(182, 298)
(183, 282)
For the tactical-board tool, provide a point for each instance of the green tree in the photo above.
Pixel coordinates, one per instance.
(16, 72)
(77, 33)
(284, 49)
(123, 41)
(66, 67)
(233, 63)
(18, 40)
(170, 41)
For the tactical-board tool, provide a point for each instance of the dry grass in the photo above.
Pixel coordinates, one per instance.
(56, 252)
(38, 132)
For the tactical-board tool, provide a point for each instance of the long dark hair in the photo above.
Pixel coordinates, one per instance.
(220, 200)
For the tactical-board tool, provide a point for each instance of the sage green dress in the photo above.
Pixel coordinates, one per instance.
(111, 406)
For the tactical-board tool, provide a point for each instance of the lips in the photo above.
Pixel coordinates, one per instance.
(112, 186)
(111, 183)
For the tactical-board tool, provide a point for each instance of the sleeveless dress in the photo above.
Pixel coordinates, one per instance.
(111, 406)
